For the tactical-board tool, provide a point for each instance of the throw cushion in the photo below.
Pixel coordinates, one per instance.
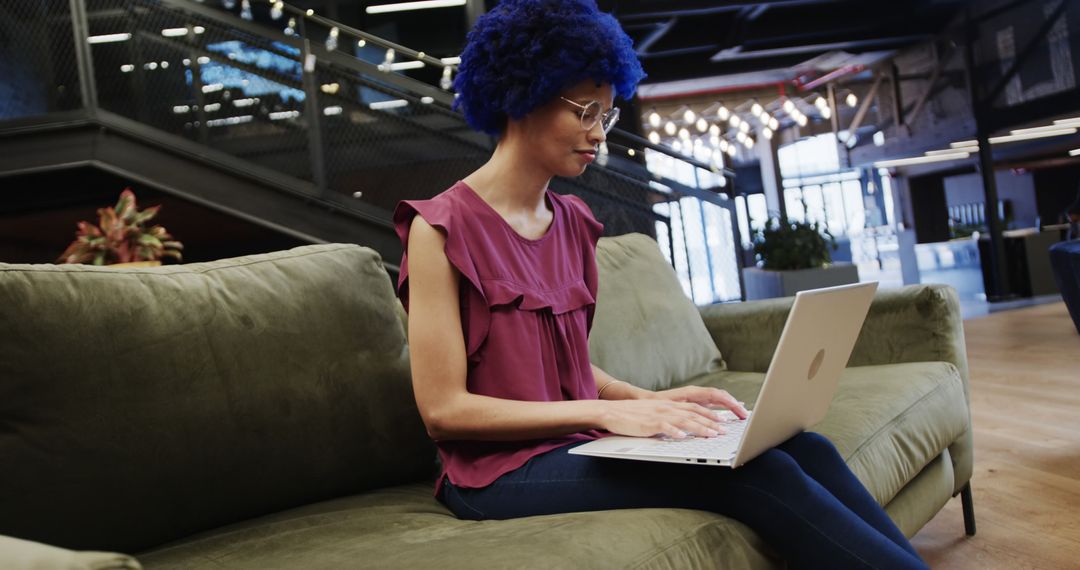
(140, 405)
(646, 330)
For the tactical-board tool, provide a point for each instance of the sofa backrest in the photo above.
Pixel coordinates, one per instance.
(141, 405)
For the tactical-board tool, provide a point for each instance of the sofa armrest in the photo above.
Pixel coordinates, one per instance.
(918, 323)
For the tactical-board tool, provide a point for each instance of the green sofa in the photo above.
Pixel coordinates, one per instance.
(257, 413)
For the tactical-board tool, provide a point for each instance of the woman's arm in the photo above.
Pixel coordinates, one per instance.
(450, 411)
(615, 389)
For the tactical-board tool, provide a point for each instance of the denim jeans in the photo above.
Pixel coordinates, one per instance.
(799, 496)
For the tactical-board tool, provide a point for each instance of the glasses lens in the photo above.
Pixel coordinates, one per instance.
(610, 119)
(590, 114)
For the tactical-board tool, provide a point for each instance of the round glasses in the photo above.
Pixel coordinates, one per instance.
(591, 114)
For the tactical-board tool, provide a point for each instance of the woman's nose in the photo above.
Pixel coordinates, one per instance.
(597, 134)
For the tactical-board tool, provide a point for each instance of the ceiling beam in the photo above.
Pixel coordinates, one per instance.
(737, 53)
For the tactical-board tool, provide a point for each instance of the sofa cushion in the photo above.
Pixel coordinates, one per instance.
(888, 421)
(405, 527)
(141, 405)
(645, 330)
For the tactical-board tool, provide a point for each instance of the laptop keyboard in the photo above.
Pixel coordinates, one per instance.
(720, 446)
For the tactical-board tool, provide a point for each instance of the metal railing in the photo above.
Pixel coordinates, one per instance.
(321, 106)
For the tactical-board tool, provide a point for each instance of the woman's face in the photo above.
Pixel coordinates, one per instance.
(554, 132)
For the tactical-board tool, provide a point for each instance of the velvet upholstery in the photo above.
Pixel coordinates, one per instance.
(639, 305)
(138, 405)
(257, 413)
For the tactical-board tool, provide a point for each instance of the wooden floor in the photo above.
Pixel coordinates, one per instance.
(1025, 390)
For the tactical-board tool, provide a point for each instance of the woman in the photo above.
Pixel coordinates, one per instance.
(499, 278)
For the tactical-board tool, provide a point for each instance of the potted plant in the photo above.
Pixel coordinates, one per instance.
(121, 237)
(794, 256)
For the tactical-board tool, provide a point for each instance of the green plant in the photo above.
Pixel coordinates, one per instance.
(121, 236)
(783, 244)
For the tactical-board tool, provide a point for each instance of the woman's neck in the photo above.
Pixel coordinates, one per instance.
(510, 181)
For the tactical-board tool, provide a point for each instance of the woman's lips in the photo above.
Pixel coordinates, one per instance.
(589, 156)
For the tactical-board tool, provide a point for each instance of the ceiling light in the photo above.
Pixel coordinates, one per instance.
(773, 123)
(1074, 152)
(1027, 136)
(1073, 122)
(654, 119)
(851, 100)
(756, 109)
(714, 131)
(767, 133)
(1042, 129)
(407, 6)
(702, 125)
(789, 105)
(921, 159)
(108, 38)
(174, 32)
(669, 128)
(689, 116)
(744, 127)
(734, 121)
(654, 137)
(684, 134)
(722, 113)
(964, 144)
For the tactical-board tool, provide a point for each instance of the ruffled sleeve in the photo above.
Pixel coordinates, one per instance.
(592, 229)
(475, 317)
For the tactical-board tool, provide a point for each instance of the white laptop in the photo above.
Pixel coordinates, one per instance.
(814, 348)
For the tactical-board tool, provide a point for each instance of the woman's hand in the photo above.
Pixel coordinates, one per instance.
(653, 416)
(707, 397)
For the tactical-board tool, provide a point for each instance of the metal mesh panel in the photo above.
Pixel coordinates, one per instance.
(37, 59)
(388, 144)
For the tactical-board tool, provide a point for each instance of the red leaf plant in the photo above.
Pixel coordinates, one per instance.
(121, 236)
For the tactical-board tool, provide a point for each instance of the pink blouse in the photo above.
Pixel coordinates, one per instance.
(526, 311)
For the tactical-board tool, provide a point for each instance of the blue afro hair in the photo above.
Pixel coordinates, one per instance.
(524, 53)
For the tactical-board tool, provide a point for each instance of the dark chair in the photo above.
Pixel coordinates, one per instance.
(1065, 261)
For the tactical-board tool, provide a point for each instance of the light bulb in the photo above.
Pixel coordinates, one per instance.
(702, 125)
(756, 108)
(774, 123)
(852, 100)
(654, 119)
(689, 116)
(714, 131)
(669, 128)
(722, 113)
(277, 10)
(767, 133)
(654, 137)
(684, 134)
(789, 106)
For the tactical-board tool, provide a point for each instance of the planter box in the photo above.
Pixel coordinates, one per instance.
(766, 284)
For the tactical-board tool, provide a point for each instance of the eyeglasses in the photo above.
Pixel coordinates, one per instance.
(590, 114)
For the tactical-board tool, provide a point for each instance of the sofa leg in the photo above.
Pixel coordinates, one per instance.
(969, 510)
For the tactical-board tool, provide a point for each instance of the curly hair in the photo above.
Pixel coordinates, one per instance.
(524, 53)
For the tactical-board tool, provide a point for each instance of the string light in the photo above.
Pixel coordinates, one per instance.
(654, 137)
(654, 119)
(245, 10)
(669, 128)
(332, 39)
(702, 125)
(446, 82)
(290, 28)
(277, 10)
(852, 100)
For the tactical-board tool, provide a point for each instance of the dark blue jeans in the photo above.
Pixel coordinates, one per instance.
(800, 497)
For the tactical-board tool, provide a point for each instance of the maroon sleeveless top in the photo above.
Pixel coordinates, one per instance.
(526, 311)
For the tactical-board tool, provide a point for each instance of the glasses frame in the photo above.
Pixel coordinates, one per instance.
(607, 120)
